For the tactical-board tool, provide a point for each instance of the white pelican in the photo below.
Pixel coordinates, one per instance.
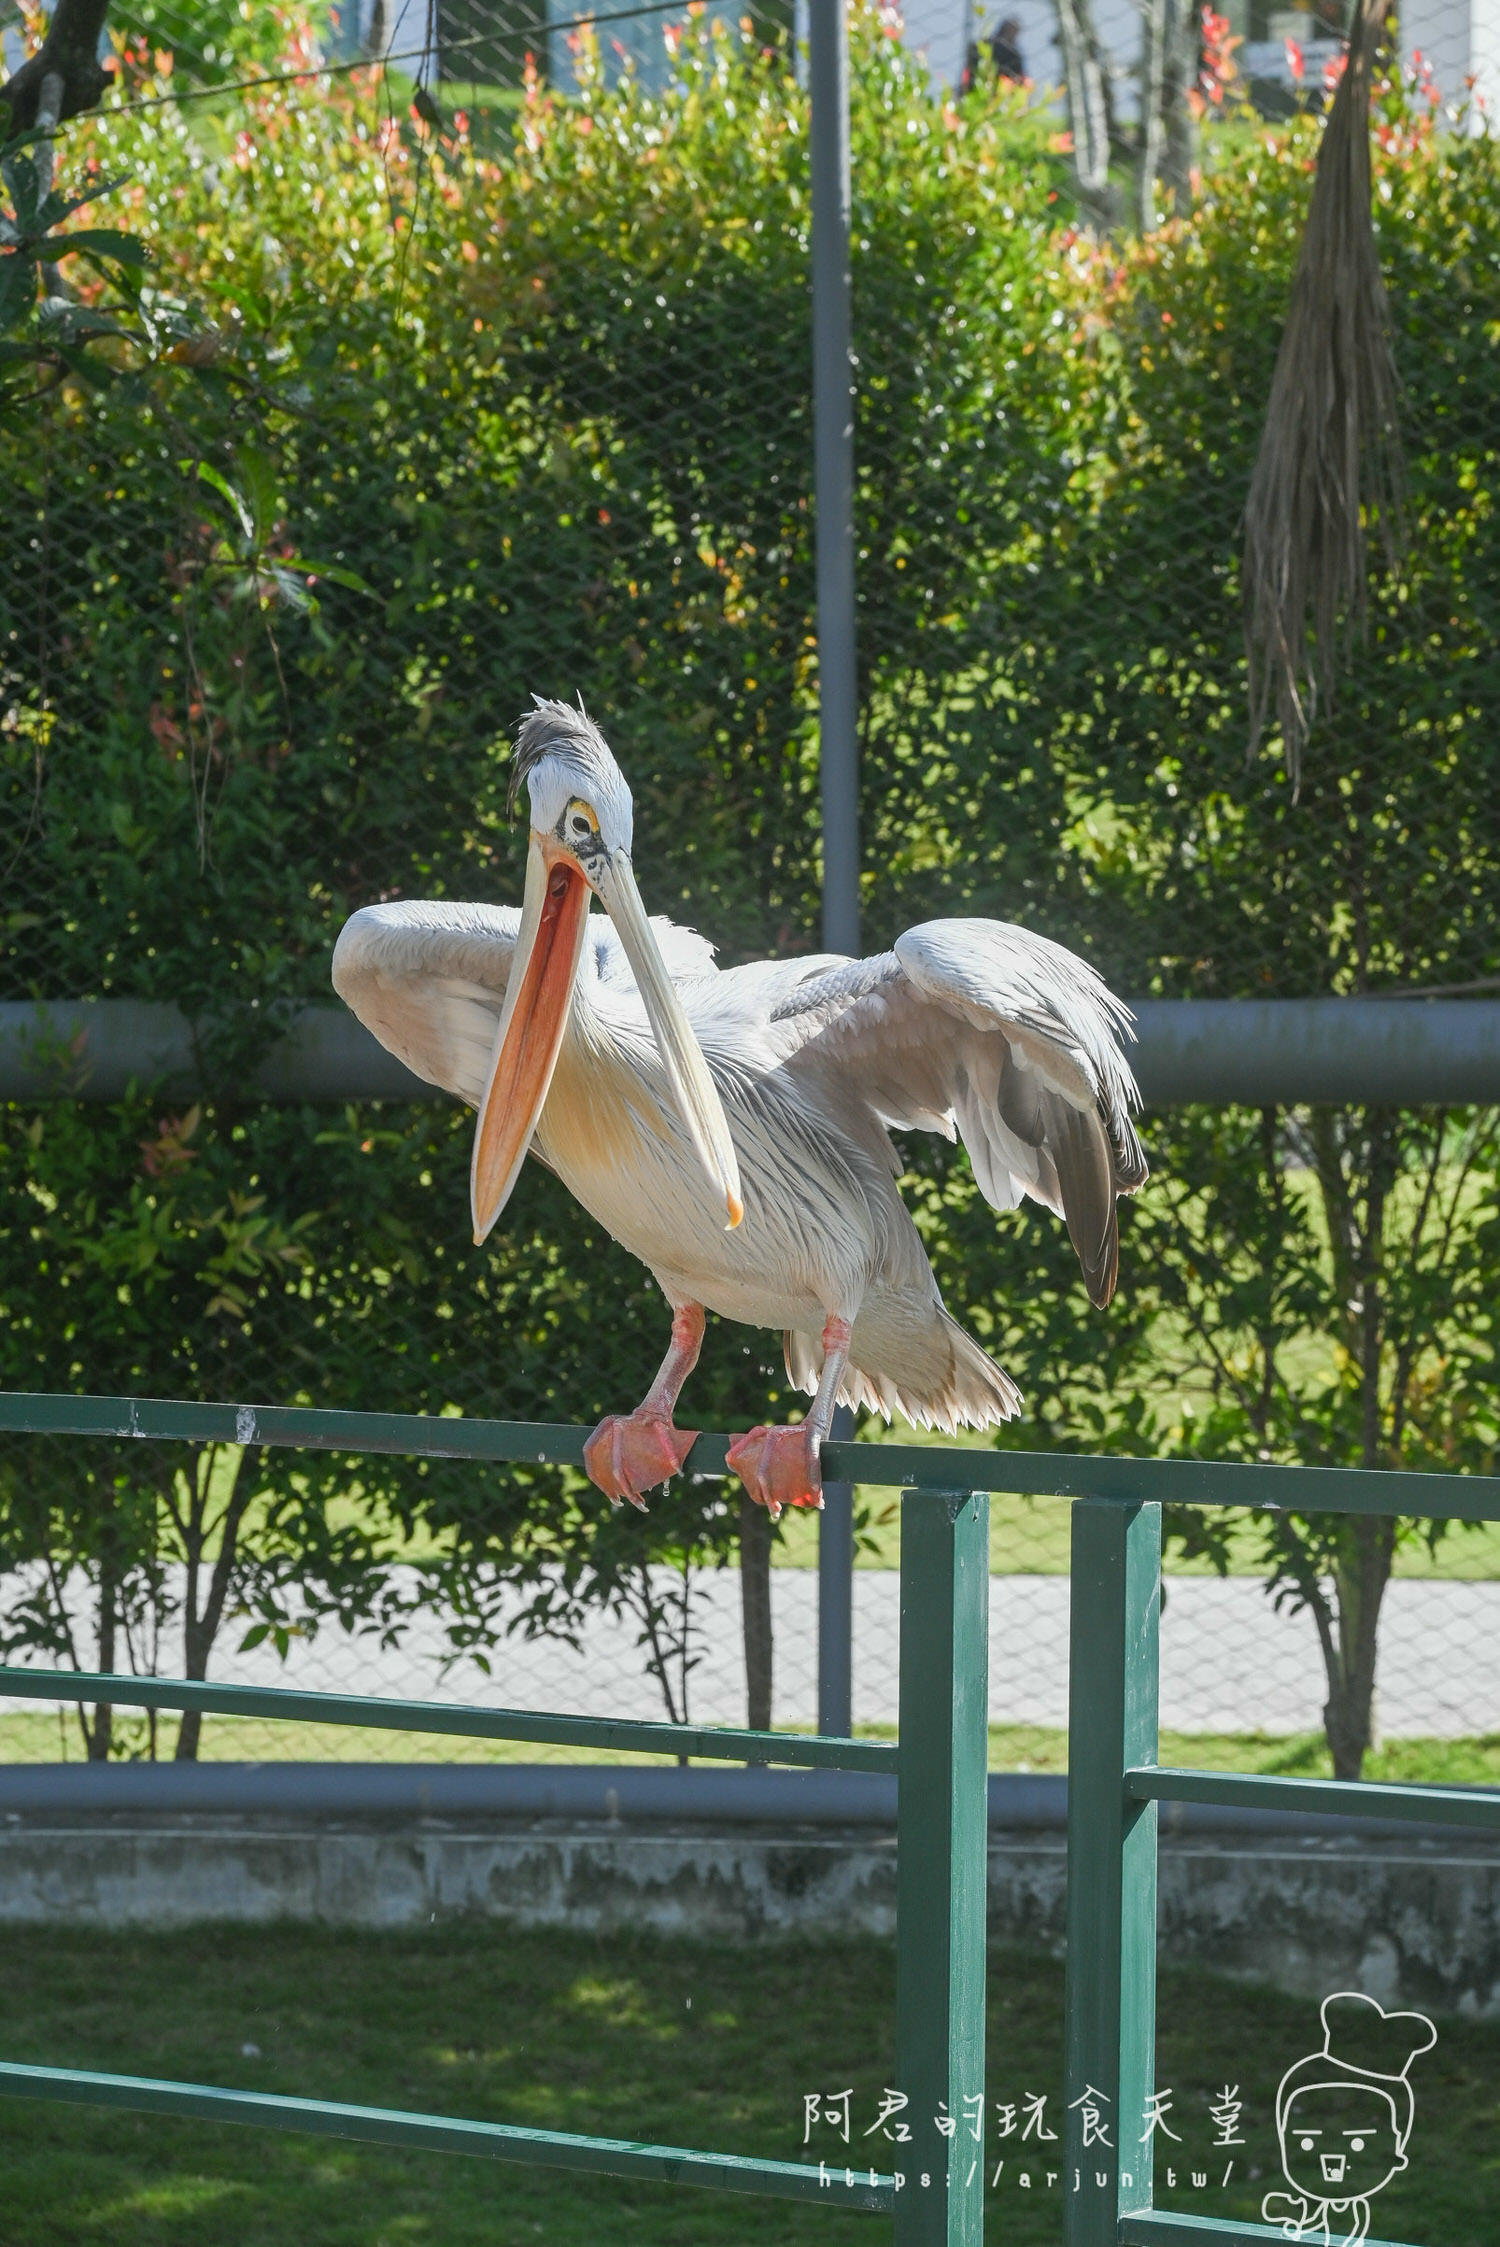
(731, 1127)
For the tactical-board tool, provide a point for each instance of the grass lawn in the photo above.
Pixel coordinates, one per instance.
(35, 1736)
(686, 2044)
(1295, 1755)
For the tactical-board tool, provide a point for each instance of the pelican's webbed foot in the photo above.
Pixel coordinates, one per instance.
(628, 1455)
(779, 1466)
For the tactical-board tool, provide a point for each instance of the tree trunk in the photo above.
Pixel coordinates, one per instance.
(1179, 126)
(1153, 78)
(1088, 104)
(200, 1625)
(755, 1607)
(190, 1723)
(1362, 1569)
(195, 1645)
(98, 1737)
(1361, 1576)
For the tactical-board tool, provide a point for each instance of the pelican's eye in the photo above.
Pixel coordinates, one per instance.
(579, 824)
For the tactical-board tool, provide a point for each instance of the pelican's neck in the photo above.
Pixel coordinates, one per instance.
(607, 1089)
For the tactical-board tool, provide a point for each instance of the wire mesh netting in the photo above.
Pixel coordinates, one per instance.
(484, 369)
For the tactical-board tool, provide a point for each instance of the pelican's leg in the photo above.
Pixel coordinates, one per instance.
(627, 1456)
(779, 1466)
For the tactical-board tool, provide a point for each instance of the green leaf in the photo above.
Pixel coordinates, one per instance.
(108, 242)
(337, 573)
(21, 179)
(18, 287)
(71, 203)
(260, 482)
(217, 481)
(80, 323)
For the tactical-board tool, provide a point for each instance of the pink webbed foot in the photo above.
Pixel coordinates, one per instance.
(627, 1456)
(779, 1466)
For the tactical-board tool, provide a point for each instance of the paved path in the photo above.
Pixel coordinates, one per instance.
(1229, 1661)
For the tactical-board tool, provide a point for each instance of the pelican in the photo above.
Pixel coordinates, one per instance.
(731, 1127)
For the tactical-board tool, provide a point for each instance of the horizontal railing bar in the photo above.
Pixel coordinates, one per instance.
(1158, 2228)
(1184, 1482)
(436, 2133)
(1383, 1492)
(282, 1703)
(1346, 1798)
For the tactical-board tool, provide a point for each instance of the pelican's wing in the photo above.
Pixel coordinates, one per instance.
(428, 977)
(1005, 1035)
(685, 954)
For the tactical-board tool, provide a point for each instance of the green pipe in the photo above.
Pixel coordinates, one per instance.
(437, 2133)
(1183, 1482)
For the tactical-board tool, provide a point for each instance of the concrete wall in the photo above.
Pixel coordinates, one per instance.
(1414, 1919)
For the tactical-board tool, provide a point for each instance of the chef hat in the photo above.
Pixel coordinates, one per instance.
(1362, 2044)
(1360, 2034)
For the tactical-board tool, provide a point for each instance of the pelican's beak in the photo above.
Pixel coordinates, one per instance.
(693, 1088)
(554, 915)
(549, 945)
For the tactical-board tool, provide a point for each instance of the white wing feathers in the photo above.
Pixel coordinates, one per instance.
(685, 954)
(428, 978)
(1007, 1036)
(969, 1025)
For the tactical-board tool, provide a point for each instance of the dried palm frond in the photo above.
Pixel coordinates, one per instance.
(1328, 475)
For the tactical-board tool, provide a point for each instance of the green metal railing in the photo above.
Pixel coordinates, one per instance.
(939, 1761)
(1114, 1786)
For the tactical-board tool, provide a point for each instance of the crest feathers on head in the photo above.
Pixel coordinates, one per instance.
(551, 726)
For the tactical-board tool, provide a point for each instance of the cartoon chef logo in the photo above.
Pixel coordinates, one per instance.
(1343, 2116)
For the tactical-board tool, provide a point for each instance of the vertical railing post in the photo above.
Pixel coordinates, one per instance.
(942, 1865)
(836, 1596)
(1110, 2002)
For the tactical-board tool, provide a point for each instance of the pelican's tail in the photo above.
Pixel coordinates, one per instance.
(908, 1357)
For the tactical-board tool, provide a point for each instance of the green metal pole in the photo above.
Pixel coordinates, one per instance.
(942, 1867)
(1110, 2003)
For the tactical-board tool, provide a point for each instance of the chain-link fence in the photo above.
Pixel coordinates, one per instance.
(487, 372)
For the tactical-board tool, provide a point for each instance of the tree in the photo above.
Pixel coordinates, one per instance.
(46, 332)
(65, 76)
(1086, 74)
(141, 1259)
(1328, 1275)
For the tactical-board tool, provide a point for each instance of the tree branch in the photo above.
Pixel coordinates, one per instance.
(70, 54)
(222, 1576)
(1088, 104)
